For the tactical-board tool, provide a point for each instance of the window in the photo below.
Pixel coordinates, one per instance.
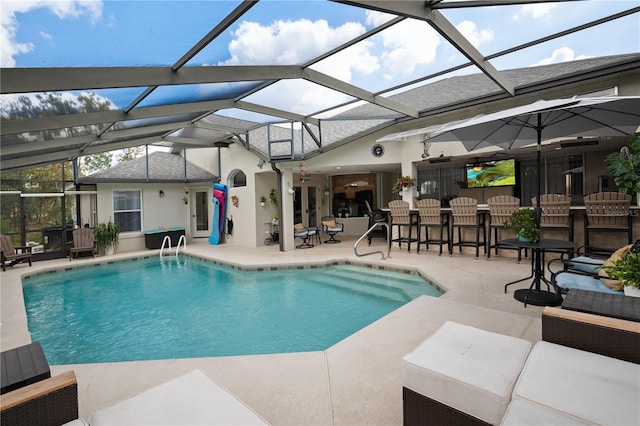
(237, 179)
(441, 183)
(127, 210)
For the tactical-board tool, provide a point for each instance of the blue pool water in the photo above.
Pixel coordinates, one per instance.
(183, 308)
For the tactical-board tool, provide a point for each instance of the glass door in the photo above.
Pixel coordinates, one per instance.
(200, 214)
(305, 206)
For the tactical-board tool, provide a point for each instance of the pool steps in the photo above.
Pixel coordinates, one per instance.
(376, 282)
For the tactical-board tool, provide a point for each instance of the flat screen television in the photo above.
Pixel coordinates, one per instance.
(491, 173)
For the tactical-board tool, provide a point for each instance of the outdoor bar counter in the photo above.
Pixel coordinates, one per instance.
(603, 239)
(153, 238)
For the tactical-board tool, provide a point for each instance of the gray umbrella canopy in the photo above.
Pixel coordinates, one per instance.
(528, 124)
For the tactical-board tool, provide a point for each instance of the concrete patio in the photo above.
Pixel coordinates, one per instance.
(356, 381)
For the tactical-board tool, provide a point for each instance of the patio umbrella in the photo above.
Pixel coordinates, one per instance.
(528, 124)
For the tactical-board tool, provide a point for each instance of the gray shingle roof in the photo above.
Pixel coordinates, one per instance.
(163, 167)
(453, 90)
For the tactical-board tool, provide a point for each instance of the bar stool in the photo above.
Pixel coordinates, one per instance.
(556, 213)
(464, 215)
(430, 216)
(500, 209)
(606, 212)
(401, 216)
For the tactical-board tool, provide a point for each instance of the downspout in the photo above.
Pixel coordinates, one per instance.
(279, 173)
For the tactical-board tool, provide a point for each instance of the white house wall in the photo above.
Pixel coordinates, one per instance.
(169, 211)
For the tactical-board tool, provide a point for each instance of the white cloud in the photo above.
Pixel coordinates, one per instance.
(286, 42)
(475, 37)
(535, 11)
(564, 54)
(294, 42)
(407, 45)
(374, 18)
(61, 8)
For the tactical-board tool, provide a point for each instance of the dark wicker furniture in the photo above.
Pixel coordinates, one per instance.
(49, 402)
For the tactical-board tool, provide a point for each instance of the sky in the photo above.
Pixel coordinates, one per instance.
(56, 33)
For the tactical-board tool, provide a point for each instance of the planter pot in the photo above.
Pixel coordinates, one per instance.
(109, 251)
(631, 291)
(523, 239)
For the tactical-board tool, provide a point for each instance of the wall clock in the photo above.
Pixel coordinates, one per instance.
(377, 150)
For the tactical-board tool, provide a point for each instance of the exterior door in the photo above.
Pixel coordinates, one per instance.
(305, 205)
(200, 217)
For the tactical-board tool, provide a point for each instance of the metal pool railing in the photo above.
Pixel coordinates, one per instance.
(366, 234)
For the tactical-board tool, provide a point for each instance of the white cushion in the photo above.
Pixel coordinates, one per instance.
(522, 412)
(193, 399)
(588, 386)
(466, 368)
(76, 422)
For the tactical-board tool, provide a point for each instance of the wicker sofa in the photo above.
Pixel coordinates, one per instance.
(584, 371)
(52, 401)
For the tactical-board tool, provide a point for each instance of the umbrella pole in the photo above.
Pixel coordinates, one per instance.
(538, 209)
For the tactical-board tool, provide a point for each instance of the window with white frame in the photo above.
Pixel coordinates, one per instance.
(127, 210)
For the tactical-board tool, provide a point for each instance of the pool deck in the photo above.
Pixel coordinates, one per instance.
(355, 382)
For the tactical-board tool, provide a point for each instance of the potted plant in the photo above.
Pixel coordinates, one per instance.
(627, 270)
(273, 197)
(106, 236)
(624, 166)
(263, 200)
(523, 224)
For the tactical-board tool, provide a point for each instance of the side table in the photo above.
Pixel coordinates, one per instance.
(23, 366)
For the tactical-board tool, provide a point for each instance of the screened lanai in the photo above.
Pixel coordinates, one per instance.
(286, 80)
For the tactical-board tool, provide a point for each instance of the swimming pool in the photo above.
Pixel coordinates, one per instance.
(183, 308)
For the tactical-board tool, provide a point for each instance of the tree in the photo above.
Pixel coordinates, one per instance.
(131, 153)
(95, 163)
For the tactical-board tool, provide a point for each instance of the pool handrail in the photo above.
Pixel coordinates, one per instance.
(355, 246)
(182, 240)
(164, 240)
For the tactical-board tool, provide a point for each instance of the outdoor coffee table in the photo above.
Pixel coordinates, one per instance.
(535, 295)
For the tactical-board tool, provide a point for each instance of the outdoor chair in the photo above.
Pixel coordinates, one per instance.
(402, 217)
(331, 228)
(501, 208)
(430, 216)
(556, 213)
(585, 272)
(83, 242)
(10, 255)
(465, 215)
(304, 233)
(376, 216)
(606, 212)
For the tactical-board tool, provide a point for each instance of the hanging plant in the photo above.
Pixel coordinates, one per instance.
(402, 182)
(273, 197)
(235, 201)
(405, 181)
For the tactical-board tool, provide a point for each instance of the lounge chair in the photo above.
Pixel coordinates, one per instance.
(192, 399)
(11, 254)
(83, 242)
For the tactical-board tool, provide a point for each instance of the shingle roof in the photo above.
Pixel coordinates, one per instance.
(163, 167)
